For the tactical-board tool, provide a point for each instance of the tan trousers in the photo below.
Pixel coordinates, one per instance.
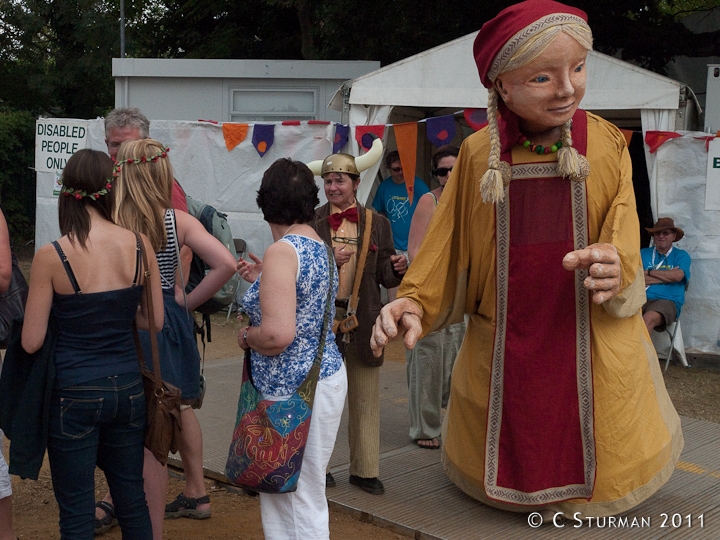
(364, 416)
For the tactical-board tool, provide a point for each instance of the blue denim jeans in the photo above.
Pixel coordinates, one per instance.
(100, 422)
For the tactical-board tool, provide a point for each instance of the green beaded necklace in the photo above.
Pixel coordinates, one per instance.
(538, 148)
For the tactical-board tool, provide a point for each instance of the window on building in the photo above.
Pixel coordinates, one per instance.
(273, 104)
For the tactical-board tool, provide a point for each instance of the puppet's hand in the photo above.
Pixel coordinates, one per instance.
(603, 264)
(401, 316)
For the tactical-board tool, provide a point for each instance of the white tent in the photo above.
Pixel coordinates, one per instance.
(446, 77)
(683, 191)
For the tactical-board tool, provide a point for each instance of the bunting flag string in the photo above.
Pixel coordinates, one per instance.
(263, 137)
(440, 130)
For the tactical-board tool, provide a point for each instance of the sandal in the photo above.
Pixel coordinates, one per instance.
(103, 525)
(428, 444)
(184, 506)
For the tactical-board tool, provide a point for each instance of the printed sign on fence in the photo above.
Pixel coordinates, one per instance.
(56, 140)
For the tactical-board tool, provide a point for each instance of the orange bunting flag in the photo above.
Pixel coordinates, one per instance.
(406, 139)
(627, 133)
(655, 139)
(234, 134)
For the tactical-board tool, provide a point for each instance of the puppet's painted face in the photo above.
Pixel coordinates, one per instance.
(546, 92)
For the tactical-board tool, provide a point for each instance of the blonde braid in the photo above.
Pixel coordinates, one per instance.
(491, 183)
(570, 163)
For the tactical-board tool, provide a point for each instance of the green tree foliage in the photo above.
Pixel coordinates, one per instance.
(647, 32)
(17, 178)
(55, 55)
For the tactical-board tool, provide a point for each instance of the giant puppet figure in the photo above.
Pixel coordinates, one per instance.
(557, 400)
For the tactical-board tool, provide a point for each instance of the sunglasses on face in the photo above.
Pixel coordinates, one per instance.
(442, 171)
(396, 169)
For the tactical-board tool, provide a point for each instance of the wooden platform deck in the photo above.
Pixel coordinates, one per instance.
(420, 502)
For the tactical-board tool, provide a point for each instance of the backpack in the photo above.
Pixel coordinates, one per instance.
(215, 223)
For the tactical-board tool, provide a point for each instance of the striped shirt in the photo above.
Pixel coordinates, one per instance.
(167, 258)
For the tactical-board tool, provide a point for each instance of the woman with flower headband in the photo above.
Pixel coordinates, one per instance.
(144, 188)
(97, 409)
(557, 402)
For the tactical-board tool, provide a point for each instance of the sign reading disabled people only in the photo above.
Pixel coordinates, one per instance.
(56, 140)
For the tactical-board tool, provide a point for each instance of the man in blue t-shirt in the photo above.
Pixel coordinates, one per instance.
(391, 200)
(667, 272)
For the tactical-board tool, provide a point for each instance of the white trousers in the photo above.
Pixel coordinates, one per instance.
(303, 514)
(5, 485)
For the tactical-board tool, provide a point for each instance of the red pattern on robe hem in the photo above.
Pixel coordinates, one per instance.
(540, 440)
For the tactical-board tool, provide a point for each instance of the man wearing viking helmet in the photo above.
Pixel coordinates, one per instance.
(365, 255)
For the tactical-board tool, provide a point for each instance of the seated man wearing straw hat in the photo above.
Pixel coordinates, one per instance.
(667, 271)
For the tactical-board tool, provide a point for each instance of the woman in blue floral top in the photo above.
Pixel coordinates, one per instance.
(286, 305)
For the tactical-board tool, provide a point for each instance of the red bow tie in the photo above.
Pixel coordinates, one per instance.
(351, 214)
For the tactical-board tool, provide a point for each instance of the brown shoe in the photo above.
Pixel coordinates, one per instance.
(372, 485)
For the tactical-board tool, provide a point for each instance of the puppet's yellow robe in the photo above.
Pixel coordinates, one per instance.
(636, 436)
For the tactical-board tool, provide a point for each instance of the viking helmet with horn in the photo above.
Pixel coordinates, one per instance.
(345, 163)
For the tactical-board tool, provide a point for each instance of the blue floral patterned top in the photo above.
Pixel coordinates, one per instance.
(281, 375)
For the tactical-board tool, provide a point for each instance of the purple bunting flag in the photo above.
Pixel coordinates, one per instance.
(263, 137)
(342, 133)
(440, 129)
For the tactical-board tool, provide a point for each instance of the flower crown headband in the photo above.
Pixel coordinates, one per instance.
(80, 193)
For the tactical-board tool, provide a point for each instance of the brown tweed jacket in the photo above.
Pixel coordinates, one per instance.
(378, 271)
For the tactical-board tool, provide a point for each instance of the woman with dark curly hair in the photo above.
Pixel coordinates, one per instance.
(286, 303)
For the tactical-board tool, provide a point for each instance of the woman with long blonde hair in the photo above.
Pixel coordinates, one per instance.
(144, 188)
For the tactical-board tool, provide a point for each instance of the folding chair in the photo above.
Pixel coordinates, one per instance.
(676, 340)
(240, 247)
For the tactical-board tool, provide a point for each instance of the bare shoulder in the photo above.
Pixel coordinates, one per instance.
(45, 260)
(46, 254)
(426, 201)
(278, 250)
(183, 219)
